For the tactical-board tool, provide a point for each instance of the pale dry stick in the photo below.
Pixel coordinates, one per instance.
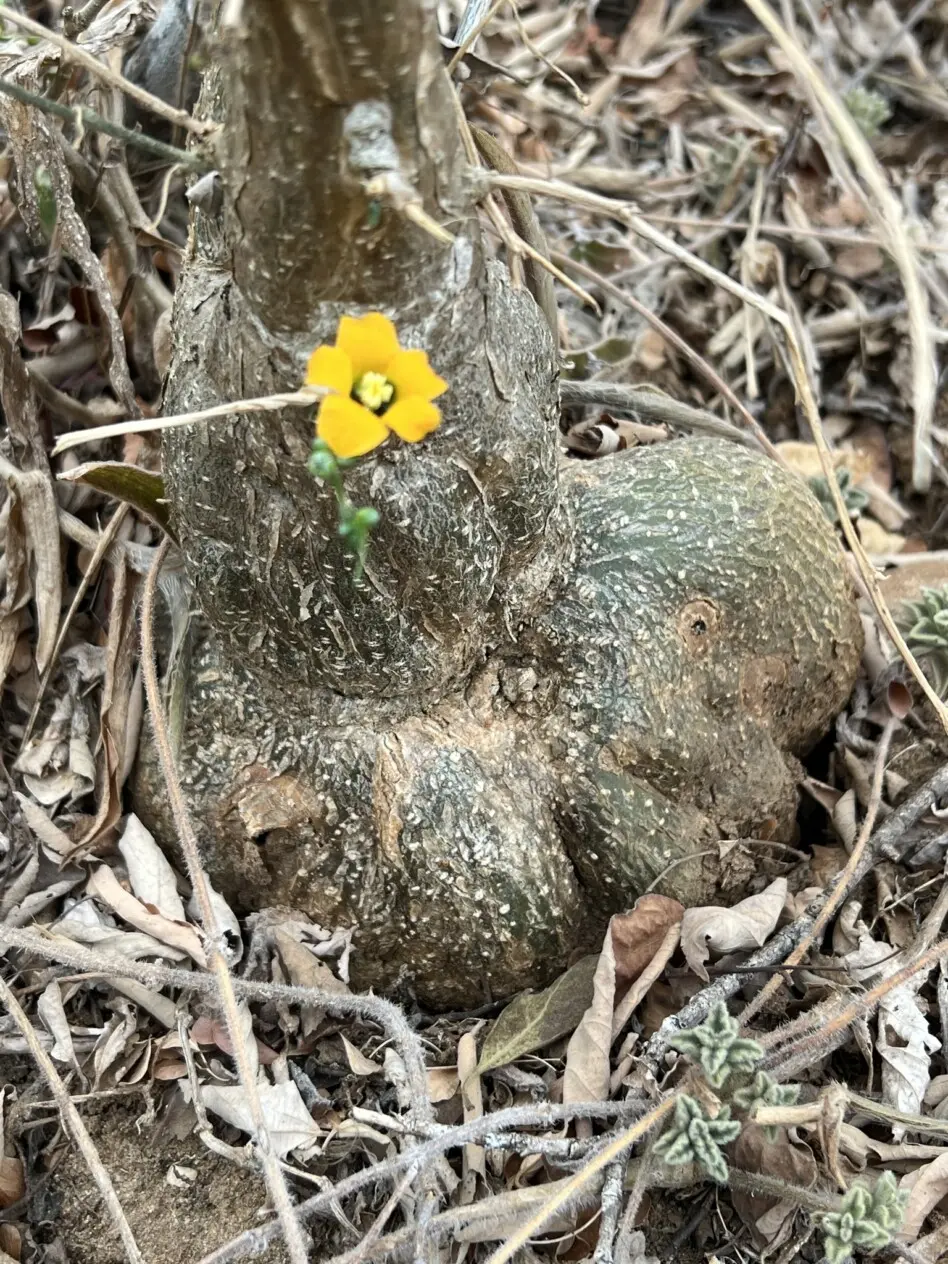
(884, 207)
(101, 549)
(363, 1248)
(74, 23)
(833, 235)
(475, 20)
(75, 53)
(628, 214)
(610, 1203)
(797, 365)
(273, 1174)
(254, 1241)
(650, 403)
(305, 397)
(675, 339)
(814, 1044)
(366, 1008)
(615, 1148)
(528, 239)
(393, 188)
(72, 1121)
(541, 56)
(905, 27)
(885, 844)
(843, 882)
(519, 245)
(747, 260)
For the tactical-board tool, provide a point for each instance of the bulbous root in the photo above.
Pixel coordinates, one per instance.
(706, 636)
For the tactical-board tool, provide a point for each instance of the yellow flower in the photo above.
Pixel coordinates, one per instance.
(378, 387)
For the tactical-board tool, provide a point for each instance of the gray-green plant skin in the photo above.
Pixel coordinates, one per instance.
(693, 1137)
(924, 623)
(854, 498)
(559, 683)
(648, 711)
(866, 1221)
(717, 1047)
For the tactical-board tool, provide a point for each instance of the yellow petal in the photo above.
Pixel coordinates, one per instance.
(411, 374)
(369, 341)
(413, 418)
(348, 428)
(328, 366)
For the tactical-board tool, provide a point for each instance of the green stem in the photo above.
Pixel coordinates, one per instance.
(82, 116)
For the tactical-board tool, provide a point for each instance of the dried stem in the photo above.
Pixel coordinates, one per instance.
(214, 938)
(72, 1121)
(884, 208)
(609, 1153)
(808, 1048)
(843, 883)
(75, 53)
(649, 403)
(675, 339)
(306, 397)
(93, 122)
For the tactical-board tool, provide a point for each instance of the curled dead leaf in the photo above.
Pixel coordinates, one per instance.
(719, 930)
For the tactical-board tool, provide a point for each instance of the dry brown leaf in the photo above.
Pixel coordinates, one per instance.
(116, 697)
(211, 1031)
(718, 930)
(926, 1188)
(54, 841)
(443, 1084)
(152, 879)
(359, 1064)
(104, 886)
(856, 262)
(644, 981)
(304, 967)
(12, 1184)
(586, 1076)
(637, 935)
(769, 1219)
(289, 1124)
(50, 1009)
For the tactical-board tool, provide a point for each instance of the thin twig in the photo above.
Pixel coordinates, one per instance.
(101, 549)
(815, 1044)
(651, 403)
(885, 843)
(76, 21)
(75, 53)
(373, 1009)
(884, 208)
(72, 1121)
(88, 119)
(305, 397)
(476, 17)
(843, 882)
(675, 339)
(214, 938)
(609, 1153)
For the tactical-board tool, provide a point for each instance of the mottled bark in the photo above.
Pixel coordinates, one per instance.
(557, 686)
(315, 98)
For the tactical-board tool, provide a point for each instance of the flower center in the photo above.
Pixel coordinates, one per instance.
(375, 391)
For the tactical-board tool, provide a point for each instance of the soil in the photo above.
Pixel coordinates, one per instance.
(171, 1223)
